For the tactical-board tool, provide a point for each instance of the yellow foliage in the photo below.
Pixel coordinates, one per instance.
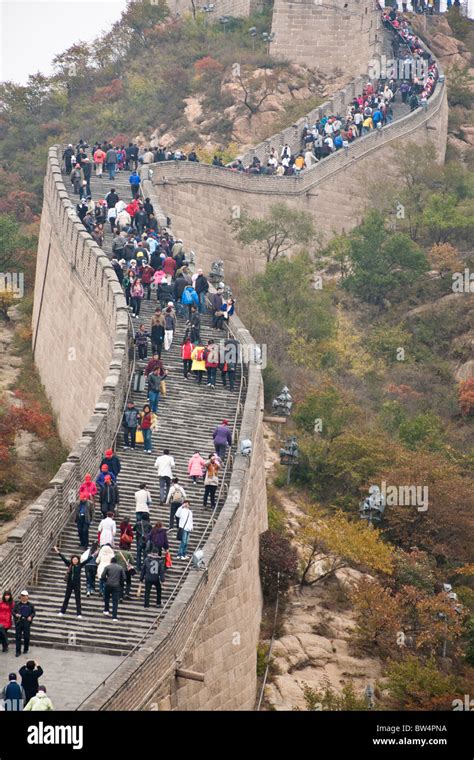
(349, 350)
(353, 542)
(227, 154)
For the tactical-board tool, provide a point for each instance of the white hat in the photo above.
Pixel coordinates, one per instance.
(170, 303)
(24, 593)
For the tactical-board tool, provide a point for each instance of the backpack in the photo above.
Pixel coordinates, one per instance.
(200, 355)
(187, 297)
(82, 510)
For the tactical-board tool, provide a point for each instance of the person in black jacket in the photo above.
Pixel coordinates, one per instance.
(201, 286)
(73, 582)
(109, 496)
(114, 578)
(112, 461)
(152, 574)
(83, 515)
(23, 614)
(30, 675)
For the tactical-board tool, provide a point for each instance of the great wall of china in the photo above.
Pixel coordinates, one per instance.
(213, 624)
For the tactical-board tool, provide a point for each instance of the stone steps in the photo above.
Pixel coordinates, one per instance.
(186, 419)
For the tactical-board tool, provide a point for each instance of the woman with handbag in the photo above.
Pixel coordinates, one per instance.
(146, 421)
(126, 534)
(185, 517)
(73, 582)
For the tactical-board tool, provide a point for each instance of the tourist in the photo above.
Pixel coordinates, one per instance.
(73, 582)
(146, 421)
(152, 574)
(112, 461)
(83, 515)
(222, 437)
(142, 501)
(109, 497)
(30, 675)
(164, 465)
(113, 578)
(13, 695)
(23, 615)
(196, 466)
(130, 424)
(176, 496)
(6, 609)
(107, 529)
(211, 481)
(142, 530)
(104, 559)
(198, 367)
(40, 702)
(185, 517)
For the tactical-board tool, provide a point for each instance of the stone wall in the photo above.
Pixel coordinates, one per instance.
(201, 199)
(78, 305)
(221, 7)
(327, 34)
(213, 625)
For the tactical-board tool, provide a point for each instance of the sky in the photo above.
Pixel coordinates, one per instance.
(34, 31)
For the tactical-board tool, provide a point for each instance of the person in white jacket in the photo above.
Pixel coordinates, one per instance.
(185, 517)
(164, 465)
(142, 502)
(107, 529)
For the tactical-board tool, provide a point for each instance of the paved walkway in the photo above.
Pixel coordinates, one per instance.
(68, 676)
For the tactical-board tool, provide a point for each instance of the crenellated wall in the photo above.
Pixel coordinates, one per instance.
(201, 199)
(221, 7)
(327, 34)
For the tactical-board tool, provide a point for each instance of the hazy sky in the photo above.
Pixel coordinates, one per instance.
(34, 31)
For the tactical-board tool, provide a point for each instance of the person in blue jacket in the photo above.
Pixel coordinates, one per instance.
(134, 180)
(190, 298)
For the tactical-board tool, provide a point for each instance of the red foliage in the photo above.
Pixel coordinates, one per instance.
(17, 204)
(208, 65)
(30, 417)
(120, 139)
(278, 563)
(109, 93)
(466, 397)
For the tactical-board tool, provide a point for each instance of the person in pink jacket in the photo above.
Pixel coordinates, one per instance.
(196, 466)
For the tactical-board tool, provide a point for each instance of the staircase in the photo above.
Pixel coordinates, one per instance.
(186, 419)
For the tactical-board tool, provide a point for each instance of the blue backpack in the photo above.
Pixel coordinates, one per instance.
(188, 296)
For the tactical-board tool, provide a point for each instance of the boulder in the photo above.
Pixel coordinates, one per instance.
(465, 371)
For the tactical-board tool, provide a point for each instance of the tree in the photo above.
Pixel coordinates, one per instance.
(255, 90)
(11, 240)
(336, 542)
(382, 261)
(445, 217)
(328, 405)
(275, 234)
(278, 563)
(327, 698)
(459, 85)
(466, 397)
(445, 259)
(378, 618)
(444, 529)
(414, 568)
(417, 686)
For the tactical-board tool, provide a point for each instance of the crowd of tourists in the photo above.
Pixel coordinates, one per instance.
(147, 260)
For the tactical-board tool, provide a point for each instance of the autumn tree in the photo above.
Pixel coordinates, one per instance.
(443, 530)
(466, 397)
(378, 618)
(330, 544)
(277, 233)
(445, 259)
(414, 685)
(327, 698)
(278, 563)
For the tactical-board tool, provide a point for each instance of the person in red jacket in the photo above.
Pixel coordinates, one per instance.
(87, 489)
(186, 351)
(147, 279)
(169, 266)
(146, 420)
(6, 606)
